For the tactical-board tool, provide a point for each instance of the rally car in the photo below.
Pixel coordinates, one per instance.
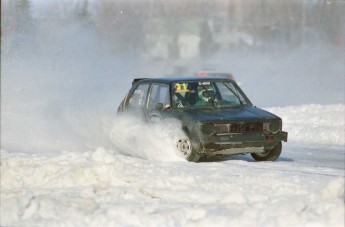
(216, 116)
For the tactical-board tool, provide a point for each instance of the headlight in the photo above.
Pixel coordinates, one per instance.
(273, 126)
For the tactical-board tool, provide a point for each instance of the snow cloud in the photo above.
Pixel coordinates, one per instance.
(134, 137)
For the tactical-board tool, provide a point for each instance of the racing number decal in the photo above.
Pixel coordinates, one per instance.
(181, 87)
(178, 87)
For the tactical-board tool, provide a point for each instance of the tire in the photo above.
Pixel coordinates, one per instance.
(269, 155)
(186, 149)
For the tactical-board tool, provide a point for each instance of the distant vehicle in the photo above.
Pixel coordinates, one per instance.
(216, 116)
(215, 74)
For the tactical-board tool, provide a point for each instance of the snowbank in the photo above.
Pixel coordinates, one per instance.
(313, 124)
(100, 188)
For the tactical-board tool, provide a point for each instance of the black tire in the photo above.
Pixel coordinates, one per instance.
(186, 148)
(269, 155)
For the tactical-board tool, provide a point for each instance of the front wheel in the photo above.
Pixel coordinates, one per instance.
(269, 155)
(185, 148)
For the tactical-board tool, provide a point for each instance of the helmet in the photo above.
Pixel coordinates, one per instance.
(205, 94)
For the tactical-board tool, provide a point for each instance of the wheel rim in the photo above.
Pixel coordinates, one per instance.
(184, 146)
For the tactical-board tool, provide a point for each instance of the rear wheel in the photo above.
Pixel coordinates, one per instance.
(185, 148)
(269, 155)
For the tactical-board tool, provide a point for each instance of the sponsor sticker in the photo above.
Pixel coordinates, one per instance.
(204, 83)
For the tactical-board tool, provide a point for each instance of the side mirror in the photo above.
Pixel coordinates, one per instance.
(159, 106)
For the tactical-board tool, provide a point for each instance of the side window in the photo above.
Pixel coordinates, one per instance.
(138, 97)
(180, 93)
(159, 94)
(164, 95)
(153, 96)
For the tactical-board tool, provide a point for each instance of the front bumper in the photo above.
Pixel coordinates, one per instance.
(239, 138)
(241, 142)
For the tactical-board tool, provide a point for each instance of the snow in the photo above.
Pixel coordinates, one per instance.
(155, 187)
(314, 124)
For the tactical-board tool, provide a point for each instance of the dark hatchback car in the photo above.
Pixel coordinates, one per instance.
(216, 116)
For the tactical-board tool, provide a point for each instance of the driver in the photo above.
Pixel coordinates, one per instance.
(205, 95)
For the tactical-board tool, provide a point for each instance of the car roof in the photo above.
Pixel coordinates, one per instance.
(177, 79)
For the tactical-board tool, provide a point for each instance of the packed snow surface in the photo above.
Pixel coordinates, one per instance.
(155, 187)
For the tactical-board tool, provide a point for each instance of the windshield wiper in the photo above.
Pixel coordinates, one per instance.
(233, 92)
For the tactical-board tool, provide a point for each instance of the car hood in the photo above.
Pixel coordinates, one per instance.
(231, 114)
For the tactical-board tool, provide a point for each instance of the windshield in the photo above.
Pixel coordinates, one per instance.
(208, 94)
